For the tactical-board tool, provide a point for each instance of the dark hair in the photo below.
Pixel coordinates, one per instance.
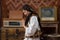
(30, 9)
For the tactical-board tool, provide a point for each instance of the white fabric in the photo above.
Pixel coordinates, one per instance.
(32, 27)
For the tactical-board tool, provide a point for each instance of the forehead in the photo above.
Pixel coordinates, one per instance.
(24, 10)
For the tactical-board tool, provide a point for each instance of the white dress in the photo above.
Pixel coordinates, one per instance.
(32, 27)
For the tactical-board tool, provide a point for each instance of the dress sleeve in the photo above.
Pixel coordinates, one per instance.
(32, 26)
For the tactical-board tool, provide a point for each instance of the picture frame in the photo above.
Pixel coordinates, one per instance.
(48, 13)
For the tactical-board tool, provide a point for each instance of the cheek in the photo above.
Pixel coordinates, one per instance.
(25, 13)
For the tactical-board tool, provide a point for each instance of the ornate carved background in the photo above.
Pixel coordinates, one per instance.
(17, 4)
(9, 5)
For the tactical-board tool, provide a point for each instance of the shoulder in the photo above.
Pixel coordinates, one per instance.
(33, 17)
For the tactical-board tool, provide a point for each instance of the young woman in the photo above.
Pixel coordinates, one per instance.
(32, 23)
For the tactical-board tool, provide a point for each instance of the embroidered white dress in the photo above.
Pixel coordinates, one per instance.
(32, 27)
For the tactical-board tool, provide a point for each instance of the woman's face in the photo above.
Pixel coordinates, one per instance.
(26, 13)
